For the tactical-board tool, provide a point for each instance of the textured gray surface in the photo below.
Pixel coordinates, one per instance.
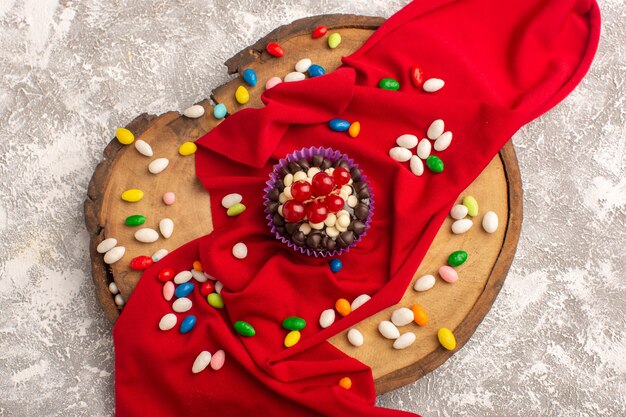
(554, 342)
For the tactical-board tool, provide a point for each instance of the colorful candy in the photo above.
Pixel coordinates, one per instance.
(355, 337)
(249, 76)
(188, 323)
(388, 330)
(471, 204)
(343, 307)
(166, 274)
(345, 383)
(490, 222)
(435, 164)
(335, 265)
(457, 258)
(424, 283)
(158, 165)
(316, 71)
(168, 290)
(292, 338)
(135, 220)
(241, 95)
(404, 341)
(132, 196)
(421, 318)
(417, 75)
(319, 31)
(244, 328)
(194, 112)
(207, 288)
(389, 84)
(446, 338)
(339, 125)
(275, 49)
(124, 136)
(448, 274)
(334, 40)
(183, 290)
(202, 361)
(169, 198)
(187, 148)
(294, 323)
(197, 266)
(219, 111)
(355, 129)
(168, 322)
(235, 210)
(272, 82)
(140, 263)
(215, 300)
(218, 359)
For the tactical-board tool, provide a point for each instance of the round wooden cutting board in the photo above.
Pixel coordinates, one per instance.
(460, 306)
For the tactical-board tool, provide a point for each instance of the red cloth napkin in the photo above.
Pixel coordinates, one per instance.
(504, 64)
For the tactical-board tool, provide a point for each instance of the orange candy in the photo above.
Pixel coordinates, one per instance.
(421, 318)
(343, 307)
(197, 266)
(345, 383)
(355, 129)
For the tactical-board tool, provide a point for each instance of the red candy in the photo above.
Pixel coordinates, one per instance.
(417, 76)
(293, 211)
(334, 203)
(316, 211)
(166, 274)
(140, 263)
(319, 32)
(341, 176)
(207, 288)
(301, 191)
(274, 49)
(322, 184)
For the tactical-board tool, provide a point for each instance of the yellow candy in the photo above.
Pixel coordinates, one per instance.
(241, 95)
(472, 205)
(124, 135)
(343, 307)
(334, 40)
(132, 195)
(446, 338)
(187, 148)
(354, 129)
(292, 338)
(345, 383)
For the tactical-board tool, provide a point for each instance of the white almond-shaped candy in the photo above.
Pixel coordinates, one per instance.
(168, 321)
(416, 165)
(114, 255)
(198, 276)
(461, 226)
(355, 337)
(202, 361)
(194, 111)
(424, 148)
(332, 232)
(182, 277)
(147, 235)
(231, 199)
(160, 254)
(400, 154)
(182, 305)
(218, 287)
(331, 219)
(352, 201)
(458, 212)
(435, 129)
(433, 84)
(166, 226)
(294, 76)
(306, 228)
(143, 147)
(240, 250)
(424, 283)
(343, 220)
(106, 245)
(359, 301)
(443, 141)
(288, 180)
(303, 65)
(490, 222)
(327, 318)
(119, 300)
(404, 341)
(299, 176)
(312, 171)
(158, 165)
(402, 316)
(113, 288)
(388, 330)
(407, 141)
(317, 226)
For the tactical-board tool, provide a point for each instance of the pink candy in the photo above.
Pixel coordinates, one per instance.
(168, 290)
(217, 360)
(169, 198)
(272, 82)
(448, 274)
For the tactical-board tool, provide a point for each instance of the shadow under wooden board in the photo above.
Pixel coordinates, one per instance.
(460, 306)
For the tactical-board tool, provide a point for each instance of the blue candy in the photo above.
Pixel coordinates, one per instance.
(183, 290)
(219, 111)
(187, 324)
(339, 125)
(249, 76)
(335, 265)
(316, 71)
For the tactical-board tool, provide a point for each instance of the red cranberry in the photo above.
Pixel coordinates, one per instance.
(322, 184)
(316, 212)
(341, 176)
(334, 203)
(301, 191)
(293, 211)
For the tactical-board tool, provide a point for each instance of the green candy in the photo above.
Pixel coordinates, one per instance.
(236, 209)
(334, 40)
(294, 323)
(434, 163)
(215, 300)
(136, 220)
(244, 329)
(389, 84)
(457, 258)
(472, 205)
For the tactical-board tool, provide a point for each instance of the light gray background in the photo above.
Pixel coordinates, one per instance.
(72, 71)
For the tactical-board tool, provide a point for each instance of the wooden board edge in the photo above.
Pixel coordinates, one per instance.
(481, 307)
